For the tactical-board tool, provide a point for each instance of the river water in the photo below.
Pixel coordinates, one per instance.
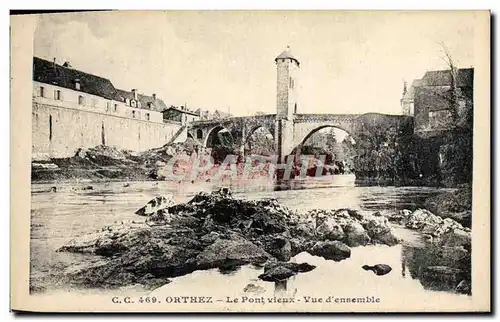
(75, 210)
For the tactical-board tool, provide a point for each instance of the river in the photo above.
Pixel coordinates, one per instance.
(73, 211)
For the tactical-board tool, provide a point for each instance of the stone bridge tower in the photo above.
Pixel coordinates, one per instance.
(287, 67)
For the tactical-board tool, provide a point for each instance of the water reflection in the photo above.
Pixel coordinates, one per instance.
(437, 268)
(58, 217)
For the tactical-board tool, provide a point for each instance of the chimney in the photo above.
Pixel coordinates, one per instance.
(67, 64)
(54, 63)
(134, 92)
(154, 97)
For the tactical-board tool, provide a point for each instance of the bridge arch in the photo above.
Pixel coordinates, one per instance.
(212, 138)
(253, 129)
(267, 149)
(302, 138)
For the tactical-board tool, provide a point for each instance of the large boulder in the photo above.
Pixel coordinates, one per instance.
(380, 231)
(422, 217)
(333, 250)
(109, 241)
(278, 271)
(149, 263)
(355, 234)
(330, 229)
(231, 252)
(155, 204)
(278, 246)
(456, 237)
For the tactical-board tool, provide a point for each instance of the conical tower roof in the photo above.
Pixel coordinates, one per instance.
(286, 54)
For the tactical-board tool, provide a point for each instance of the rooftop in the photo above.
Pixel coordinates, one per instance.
(286, 54)
(182, 109)
(443, 78)
(156, 104)
(47, 72)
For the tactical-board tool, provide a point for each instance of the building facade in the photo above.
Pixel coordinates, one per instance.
(73, 109)
(180, 114)
(431, 102)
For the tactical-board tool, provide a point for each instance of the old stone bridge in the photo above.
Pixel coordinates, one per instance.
(291, 129)
(292, 134)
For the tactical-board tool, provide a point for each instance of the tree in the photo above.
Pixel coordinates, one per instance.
(454, 94)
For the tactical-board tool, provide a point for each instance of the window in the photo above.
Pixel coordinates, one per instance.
(133, 114)
(116, 107)
(81, 100)
(147, 116)
(94, 102)
(199, 134)
(57, 95)
(292, 83)
(42, 91)
(108, 106)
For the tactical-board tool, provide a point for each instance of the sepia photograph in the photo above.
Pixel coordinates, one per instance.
(251, 161)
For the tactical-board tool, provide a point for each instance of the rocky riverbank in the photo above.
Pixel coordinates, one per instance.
(456, 205)
(104, 163)
(445, 262)
(218, 231)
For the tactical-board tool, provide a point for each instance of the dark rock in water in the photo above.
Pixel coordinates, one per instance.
(333, 250)
(300, 245)
(297, 268)
(304, 267)
(464, 287)
(278, 246)
(350, 212)
(304, 227)
(378, 269)
(217, 231)
(252, 288)
(330, 229)
(154, 205)
(230, 253)
(356, 235)
(388, 239)
(277, 273)
(380, 231)
(88, 188)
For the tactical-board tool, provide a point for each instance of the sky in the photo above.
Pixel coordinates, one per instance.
(351, 62)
